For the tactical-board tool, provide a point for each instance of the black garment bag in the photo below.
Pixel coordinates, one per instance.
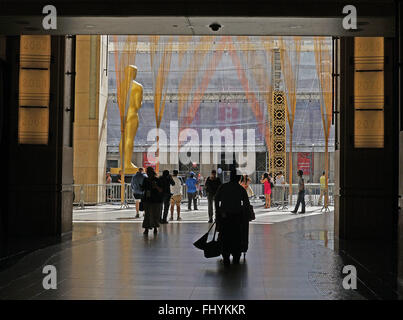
(211, 249)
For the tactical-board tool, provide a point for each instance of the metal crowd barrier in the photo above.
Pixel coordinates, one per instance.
(93, 194)
(280, 194)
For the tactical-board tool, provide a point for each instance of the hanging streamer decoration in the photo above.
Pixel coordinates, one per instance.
(252, 58)
(202, 79)
(160, 61)
(125, 48)
(290, 50)
(189, 86)
(323, 60)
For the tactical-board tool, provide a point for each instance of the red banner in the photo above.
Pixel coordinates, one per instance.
(149, 161)
(305, 162)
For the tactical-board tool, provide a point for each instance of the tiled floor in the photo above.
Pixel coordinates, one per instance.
(286, 260)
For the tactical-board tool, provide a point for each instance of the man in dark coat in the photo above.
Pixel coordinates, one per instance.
(167, 182)
(232, 219)
(212, 184)
(152, 188)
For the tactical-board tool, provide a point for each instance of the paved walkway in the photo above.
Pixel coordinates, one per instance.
(291, 259)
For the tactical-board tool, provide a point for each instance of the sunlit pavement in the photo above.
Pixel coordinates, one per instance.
(293, 259)
(114, 213)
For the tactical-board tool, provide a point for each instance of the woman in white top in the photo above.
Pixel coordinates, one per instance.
(245, 182)
(176, 198)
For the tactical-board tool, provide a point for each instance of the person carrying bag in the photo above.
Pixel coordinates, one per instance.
(211, 249)
(233, 213)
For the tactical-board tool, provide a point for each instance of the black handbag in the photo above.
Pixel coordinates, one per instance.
(211, 249)
(201, 243)
(249, 212)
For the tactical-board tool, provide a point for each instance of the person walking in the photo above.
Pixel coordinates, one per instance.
(136, 183)
(167, 182)
(191, 191)
(323, 191)
(212, 184)
(267, 189)
(301, 192)
(176, 191)
(152, 188)
(231, 218)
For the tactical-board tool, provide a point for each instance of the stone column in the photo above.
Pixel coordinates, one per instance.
(90, 115)
(366, 212)
(38, 197)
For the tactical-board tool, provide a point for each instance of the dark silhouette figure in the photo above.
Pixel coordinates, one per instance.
(301, 192)
(167, 182)
(212, 184)
(232, 220)
(153, 194)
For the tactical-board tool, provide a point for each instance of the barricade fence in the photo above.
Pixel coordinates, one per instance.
(93, 194)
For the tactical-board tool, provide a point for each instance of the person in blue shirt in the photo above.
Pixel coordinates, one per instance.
(192, 191)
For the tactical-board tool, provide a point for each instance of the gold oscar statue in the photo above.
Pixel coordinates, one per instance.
(134, 91)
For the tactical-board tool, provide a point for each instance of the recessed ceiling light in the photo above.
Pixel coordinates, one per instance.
(215, 26)
(89, 26)
(295, 27)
